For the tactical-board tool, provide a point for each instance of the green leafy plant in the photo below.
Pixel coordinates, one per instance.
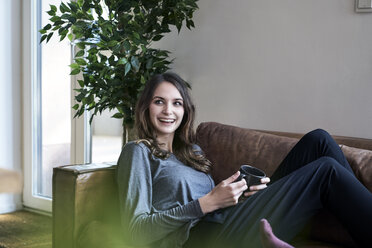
(116, 55)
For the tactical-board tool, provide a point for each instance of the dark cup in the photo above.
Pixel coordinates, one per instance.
(251, 175)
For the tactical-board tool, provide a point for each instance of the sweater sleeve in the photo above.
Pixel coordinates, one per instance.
(141, 223)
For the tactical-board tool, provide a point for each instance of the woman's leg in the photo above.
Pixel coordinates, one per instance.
(199, 239)
(291, 201)
(311, 146)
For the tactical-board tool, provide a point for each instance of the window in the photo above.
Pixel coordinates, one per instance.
(47, 106)
(51, 136)
(52, 109)
(106, 138)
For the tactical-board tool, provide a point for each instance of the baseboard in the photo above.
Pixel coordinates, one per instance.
(37, 211)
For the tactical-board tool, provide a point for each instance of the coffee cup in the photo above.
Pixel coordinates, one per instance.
(251, 175)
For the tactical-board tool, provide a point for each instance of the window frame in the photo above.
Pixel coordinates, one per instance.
(31, 108)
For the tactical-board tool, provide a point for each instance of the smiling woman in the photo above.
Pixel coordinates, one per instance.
(165, 116)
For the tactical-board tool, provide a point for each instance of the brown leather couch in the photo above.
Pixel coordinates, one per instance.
(85, 202)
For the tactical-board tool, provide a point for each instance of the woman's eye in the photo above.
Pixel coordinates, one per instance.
(178, 103)
(158, 101)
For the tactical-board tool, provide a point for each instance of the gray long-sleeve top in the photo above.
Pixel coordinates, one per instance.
(158, 197)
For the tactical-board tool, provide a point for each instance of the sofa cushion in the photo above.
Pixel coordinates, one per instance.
(361, 162)
(229, 147)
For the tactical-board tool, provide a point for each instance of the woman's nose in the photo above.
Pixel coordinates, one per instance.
(167, 109)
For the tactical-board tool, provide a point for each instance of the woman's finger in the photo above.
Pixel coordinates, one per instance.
(249, 193)
(242, 186)
(257, 187)
(232, 178)
(265, 180)
(239, 183)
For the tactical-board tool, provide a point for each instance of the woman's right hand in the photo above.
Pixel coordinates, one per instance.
(225, 194)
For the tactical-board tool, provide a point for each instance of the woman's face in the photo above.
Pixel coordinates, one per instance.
(166, 109)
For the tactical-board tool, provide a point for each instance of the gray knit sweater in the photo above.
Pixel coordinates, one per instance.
(158, 197)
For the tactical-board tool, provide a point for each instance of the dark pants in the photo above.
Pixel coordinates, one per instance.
(314, 175)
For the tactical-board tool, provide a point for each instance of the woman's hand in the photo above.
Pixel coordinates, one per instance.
(225, 194)
(254, 188)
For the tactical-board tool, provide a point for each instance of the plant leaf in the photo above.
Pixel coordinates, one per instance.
(73, 6)
(117, 116)
(74, 66)
(122, 61)
(49, 36)
(135, 63)
(43, 38)
(51, 13)
(112, 43)
(81, 45)
(80, 61)
(47, 27)
(143, 80)
(63, 8)
(149, 63)
(79, 53)
(75, 71)
(55, 18)
(157, 37)
(126, 45)
(136, 35)
(62, 37)
(70, 37)
(80, 2)
(76, 106)
(53, 7)
(127, 68)
(81, 83)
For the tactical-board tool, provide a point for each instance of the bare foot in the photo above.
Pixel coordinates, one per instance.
(268, 239)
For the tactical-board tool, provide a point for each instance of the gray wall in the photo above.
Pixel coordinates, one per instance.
(289, 65)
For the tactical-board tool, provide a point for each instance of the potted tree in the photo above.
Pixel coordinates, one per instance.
(116, 56)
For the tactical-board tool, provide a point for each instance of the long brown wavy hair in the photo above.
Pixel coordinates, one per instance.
(184, 136)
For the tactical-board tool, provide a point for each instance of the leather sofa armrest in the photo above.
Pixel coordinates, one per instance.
(82, 194)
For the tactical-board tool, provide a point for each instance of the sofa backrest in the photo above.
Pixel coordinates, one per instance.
(228, 147)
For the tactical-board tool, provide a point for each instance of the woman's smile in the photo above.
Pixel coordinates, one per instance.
(167, 121)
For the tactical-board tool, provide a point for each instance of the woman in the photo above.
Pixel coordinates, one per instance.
(168, 198)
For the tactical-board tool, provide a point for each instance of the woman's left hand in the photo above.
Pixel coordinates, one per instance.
(255, 188)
